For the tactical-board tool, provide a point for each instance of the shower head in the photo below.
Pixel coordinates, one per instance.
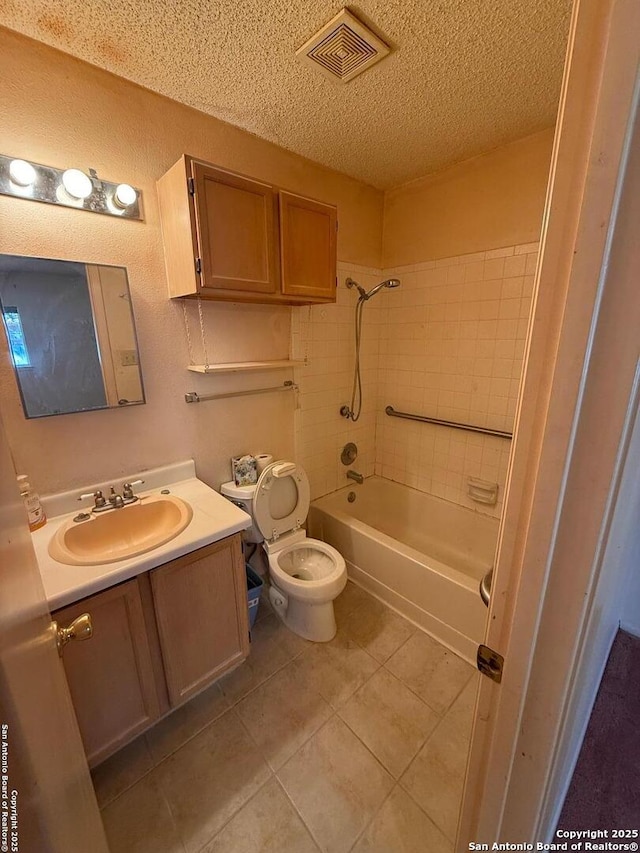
(389, 282)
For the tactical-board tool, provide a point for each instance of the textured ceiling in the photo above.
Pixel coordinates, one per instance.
(464, 76)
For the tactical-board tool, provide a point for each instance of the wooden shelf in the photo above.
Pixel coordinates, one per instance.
(241, 366)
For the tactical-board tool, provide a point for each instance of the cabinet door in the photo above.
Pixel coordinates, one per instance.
(201, 609)
(110, 675)
(308, 248)
(237, 231)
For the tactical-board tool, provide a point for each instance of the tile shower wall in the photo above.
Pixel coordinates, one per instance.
(451, 344)
(323, 335)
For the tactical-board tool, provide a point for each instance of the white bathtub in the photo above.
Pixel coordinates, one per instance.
(422, 555)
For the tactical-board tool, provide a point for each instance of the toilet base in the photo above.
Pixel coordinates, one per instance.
(313, 621)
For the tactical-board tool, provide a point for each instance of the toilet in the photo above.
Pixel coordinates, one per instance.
(306, 574)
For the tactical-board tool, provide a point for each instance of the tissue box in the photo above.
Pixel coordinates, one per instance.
(245, 470)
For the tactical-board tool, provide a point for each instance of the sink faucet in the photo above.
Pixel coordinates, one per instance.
(353, 475)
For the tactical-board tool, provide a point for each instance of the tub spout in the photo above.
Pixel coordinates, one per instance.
(353, 475)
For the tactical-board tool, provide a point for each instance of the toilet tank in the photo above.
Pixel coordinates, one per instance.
(242, 496)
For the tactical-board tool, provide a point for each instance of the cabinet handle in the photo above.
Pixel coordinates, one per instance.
(80, 629)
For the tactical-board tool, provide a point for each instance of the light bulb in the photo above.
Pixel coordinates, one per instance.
(125, 195)
(22, 173)
(77, 184)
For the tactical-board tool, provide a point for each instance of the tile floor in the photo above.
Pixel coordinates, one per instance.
(359, 744)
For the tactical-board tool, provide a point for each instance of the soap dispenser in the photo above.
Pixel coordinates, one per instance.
(35, 513)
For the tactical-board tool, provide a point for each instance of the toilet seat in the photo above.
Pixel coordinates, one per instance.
(281, 500)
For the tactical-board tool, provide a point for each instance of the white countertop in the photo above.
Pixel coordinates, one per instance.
(214, 518)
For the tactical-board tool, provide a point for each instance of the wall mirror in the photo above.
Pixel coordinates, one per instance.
(70, 334)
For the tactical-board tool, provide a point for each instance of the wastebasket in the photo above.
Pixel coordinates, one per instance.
(254, 588)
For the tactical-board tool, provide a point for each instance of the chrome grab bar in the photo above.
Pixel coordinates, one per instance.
(194, 397)
(453, 424)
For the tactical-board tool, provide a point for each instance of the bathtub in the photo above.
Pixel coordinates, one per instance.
(422, 555)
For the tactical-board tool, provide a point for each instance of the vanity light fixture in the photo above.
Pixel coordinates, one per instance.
(68, 187)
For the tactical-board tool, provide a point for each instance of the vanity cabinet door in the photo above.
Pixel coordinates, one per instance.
(308, 242)
(110, 675)
(201, 610)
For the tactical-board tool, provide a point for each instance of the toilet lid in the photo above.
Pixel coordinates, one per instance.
(281, 500)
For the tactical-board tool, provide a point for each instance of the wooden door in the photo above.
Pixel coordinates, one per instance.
(575, 411)
(237, 230)
(111, 676)
(308, 241)
(201, 609)
(56, 804)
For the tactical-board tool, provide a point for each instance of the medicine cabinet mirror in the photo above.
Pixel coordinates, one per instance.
(70, 335)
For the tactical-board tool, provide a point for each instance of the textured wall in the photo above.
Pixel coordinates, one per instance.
(492, 201)
(62, 112)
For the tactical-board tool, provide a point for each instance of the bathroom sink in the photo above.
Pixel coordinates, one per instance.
(119, 534)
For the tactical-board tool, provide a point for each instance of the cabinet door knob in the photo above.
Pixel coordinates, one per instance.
(80, 629)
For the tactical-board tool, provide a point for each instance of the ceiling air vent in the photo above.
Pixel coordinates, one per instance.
(343, 48)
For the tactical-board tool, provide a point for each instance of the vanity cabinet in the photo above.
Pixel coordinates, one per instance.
(231, 237)
(158, 639)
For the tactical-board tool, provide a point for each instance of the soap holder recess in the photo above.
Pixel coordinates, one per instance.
(482, 491)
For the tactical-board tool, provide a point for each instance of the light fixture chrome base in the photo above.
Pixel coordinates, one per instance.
(46, 185)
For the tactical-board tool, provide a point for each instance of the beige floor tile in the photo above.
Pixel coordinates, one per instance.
(335, 670)
(185, 722)
(282, 714)
(121, 771)
(379, 630)
(140, 821)
(336, 785)
(390, 720)
(349, 599)
(430, 670)
(435, 779)
(401, 827)
(272, 647)
(209, 778)
(268, 823)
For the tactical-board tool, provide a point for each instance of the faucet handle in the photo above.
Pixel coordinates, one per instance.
(127, 490)
(99, 500)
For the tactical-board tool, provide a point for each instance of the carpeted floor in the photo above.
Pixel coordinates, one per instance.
(605, 789)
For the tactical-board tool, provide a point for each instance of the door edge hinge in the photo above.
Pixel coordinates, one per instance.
(192, 186)
(198, 266)
(490, 663)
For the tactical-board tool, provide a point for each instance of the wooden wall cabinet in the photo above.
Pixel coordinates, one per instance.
(230, 237)
(158, 639)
